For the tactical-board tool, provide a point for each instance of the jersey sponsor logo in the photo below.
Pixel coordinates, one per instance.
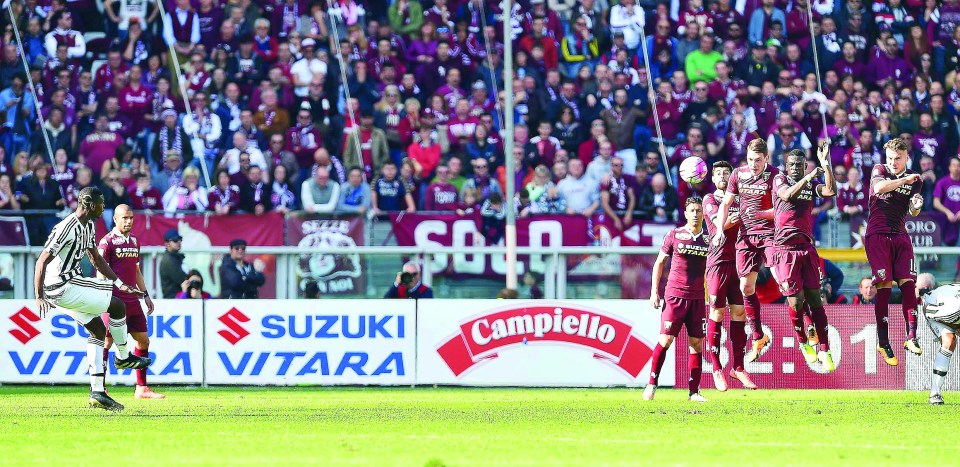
(24, 331)
(234, 332)
(481, 337)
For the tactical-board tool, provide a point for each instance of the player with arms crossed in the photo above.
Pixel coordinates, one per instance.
(941, 307)
(59, 283)
(795, 258)
(723, 285)
(894, 191)
(753, 183)
(121, 251)
(687, 247)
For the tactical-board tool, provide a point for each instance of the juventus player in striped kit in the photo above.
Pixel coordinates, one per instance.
(59, 283)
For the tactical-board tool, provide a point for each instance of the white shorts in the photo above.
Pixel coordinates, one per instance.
(85, 298)
(940, 328)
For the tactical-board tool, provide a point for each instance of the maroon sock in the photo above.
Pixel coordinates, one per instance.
(751, 304)
(909, 291)
(714, 329)
(880, 311)
(796, 317)
(142, 372)
(738, 340)
(807, 314)
(659, 355)
(694, 361)
(820, 321)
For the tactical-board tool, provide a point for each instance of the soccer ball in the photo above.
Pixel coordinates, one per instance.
(693, 170)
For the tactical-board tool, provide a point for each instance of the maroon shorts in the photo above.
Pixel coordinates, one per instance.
(797, 268)
(723, 285)
(753, 251)
(684, 312)
(891, 257)
(136, 319)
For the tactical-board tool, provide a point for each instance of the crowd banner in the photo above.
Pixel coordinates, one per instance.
(925, 229)
(53, 349)
(853, 342)
(334, 274)
(537, 343)
(286, 342)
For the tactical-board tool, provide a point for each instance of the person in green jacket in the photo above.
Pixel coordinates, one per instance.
(405, 16)
(701, 63)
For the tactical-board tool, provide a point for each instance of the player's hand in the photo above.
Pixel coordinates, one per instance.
(130, 290)
(149, 305)
(916, 202)
(733, 218)
(42, 307)
(815, 173)
(721, 236)
(912, 178)
(823, 153)
(655, 300)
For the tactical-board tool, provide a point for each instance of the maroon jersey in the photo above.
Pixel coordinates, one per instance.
(755, 194)
(688, 263)
(150, 199)
(618, 187)
(123, 256)
(440, 197)
(888, 211)
(792, 219)
(726, 252)
(849, 195)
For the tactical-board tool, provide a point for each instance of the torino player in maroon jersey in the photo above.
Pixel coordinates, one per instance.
(687, 247)
(753, 183)
(121, 251)
(795, 259)
(894, 190)
(723, 285)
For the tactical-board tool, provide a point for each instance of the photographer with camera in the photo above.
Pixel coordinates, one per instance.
(408, 284)
(192, 286)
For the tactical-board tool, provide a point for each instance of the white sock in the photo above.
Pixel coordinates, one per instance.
(118, 330)
(941, 364)
(95, 362)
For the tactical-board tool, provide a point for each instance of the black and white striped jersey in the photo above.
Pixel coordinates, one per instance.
(68, 242)
(943, 304)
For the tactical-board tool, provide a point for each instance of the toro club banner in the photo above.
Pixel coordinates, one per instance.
(308, 342)
(542, 343)
(340, 273)
(853, 342)
(54, 349)
(924, 230)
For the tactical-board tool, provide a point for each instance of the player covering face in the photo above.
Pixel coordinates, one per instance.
(685, 306)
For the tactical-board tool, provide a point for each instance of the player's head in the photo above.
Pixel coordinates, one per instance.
(721, 174)
(123, 219)
(757, 155)
(693, 210)
(897, 155)
(925, 283)
(90, 201)
(796, 164)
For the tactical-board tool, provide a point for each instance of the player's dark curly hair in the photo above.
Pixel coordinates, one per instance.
(693, 200)
(89, 197)
(722, 165)
(796, 153)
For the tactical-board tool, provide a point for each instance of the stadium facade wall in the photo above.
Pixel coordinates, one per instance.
(576, 343)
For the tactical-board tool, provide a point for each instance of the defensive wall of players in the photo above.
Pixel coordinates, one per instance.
(587, 343)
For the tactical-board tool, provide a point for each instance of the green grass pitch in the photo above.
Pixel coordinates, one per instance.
(446, 426)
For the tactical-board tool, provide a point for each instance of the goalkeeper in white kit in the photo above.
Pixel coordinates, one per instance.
(941, 307)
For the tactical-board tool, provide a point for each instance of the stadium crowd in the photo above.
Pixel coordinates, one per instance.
(386, 105)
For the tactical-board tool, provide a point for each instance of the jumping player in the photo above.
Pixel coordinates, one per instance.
(687, 248)
(59, 283)
(121, 251)
(941, 307)
(894, 190)
(723, 286)
(795, 258)
(753, 183)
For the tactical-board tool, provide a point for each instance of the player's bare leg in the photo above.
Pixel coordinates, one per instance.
(738, 343)
(695, 362)
(714, 331)
(941, 364)
(98, 396)
(751, 304)
(796, 304)
(142, 349)
(881, 312)
(909, 291)
(819, 315)
(659, 355)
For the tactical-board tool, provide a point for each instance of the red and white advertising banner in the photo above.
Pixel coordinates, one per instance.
(853, 341)
(538, 343)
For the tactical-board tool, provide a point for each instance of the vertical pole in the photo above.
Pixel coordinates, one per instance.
(511, 227)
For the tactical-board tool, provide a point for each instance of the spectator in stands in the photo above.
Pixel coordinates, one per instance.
(580, 192)
(492, 215)
(114, 194)
(240, 279)
(56, 131)
(65, 34)
(867, 292)
(852, 197)
(409, 284)
(182, 28)
(481, 180)
(172, 271)
(100, 145)
(658, 201)
(946, 200)
(224, 198)
(255, 195)
(928, 176)
(40, 192)
(143, 195)
(192, 287)
(320, 194)
(700, 64)
(171, 136)
(373, 152)
(231, 158)
(282, 197)
(599, 167)
(9, 201)
(355, 195)
(538, 185)
(617, 195)
(457, 179)
(621, 119)
(424, 153)
(170, 174)
(522, 175)
(389, 194)
(441, 195)
(186, 195)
